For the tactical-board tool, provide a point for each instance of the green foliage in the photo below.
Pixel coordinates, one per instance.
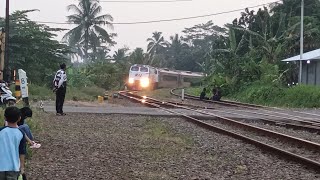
(77, 78)
(273, 95)
(88, 34)
(196, 91)
(32, 49)
(37, 92)
(107, 76)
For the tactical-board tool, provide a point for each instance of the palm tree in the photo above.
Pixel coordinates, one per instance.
(88, 23)
(120, 54)
(175, 49)
(156, 43)
(138, 57)
(177, 45)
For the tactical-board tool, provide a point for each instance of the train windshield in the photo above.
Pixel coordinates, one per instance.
(144, 69)
(135, 68)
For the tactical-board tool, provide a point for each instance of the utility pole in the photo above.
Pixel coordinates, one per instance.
(301, 42)
(6, 55)
(2, 50)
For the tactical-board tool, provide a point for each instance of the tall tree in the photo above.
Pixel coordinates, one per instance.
(88, 23)
(120, 54)
(175, 49)
(138, 57)
(156, 45)
(33, 49)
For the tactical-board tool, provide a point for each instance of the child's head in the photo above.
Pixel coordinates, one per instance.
(25, 113)
(12, 114)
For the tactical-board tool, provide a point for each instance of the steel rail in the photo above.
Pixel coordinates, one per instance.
(264, 146)
(258, 107)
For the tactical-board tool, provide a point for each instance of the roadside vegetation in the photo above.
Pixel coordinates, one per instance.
(272, 95)
(89, 93)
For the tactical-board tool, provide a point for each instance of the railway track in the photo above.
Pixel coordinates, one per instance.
(267, 114)
(293, 148)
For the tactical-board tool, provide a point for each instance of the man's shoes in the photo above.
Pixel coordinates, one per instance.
(61, 114)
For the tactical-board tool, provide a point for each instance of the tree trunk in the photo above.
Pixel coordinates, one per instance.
(86, 46)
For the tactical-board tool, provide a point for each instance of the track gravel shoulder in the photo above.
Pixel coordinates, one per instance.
(96, 146)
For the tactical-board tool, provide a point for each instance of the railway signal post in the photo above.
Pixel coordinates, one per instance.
(182, 94)
(6, 72)
(24, 86)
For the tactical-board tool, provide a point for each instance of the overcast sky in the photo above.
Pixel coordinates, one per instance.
(136, 35)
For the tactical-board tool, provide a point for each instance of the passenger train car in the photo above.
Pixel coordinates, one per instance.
(148, 77)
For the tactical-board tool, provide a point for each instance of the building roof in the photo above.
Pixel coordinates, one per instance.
(311, 55)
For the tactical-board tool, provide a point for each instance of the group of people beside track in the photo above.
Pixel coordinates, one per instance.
(16, 135)
(216, 94)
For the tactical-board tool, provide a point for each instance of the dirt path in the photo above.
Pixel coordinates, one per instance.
(82, 146)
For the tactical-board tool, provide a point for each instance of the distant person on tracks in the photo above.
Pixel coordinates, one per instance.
(60, 88)
(12, 146)
(216, 94)
(203, 94)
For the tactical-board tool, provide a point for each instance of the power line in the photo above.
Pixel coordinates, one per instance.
(161, 1)
(174, 19)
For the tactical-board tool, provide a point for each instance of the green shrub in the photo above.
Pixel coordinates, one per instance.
(302, 96)
(298, 96)
(37, 92)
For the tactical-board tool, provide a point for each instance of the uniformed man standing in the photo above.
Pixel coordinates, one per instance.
(60, 88)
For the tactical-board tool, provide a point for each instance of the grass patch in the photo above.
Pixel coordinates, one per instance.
(295, 97)
(40, 92)
(162, 142)
(301, 96)
(196, 91)
(34, 124)
(84, 94)
(37, 93)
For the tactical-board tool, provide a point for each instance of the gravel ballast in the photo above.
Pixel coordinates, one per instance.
(95, 146)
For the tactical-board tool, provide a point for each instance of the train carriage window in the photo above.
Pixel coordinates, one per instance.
(169, 78)
(192, 80)
(135, 68)
(144, 69)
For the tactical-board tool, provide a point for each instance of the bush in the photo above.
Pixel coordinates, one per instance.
(298, 96)
(40, 92)
(302, 96)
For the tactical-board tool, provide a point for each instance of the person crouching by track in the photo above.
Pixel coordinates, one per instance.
(216, 94)
(60, 88)
(12, 146)
(203, 94)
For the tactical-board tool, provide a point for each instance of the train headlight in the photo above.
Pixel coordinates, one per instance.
(144, 82)
(131, 80)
